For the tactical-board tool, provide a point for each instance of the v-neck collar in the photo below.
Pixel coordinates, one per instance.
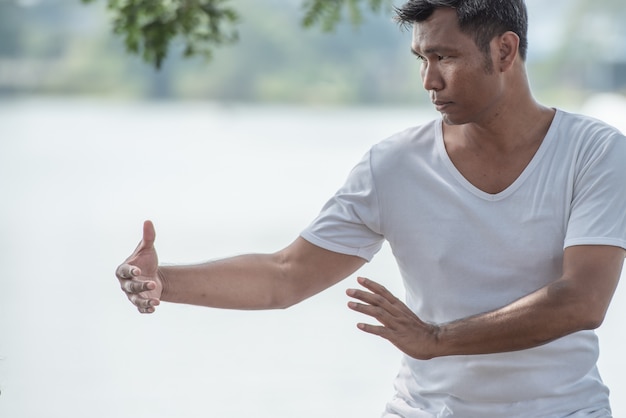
(541, 151)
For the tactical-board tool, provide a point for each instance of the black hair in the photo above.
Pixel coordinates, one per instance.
(481, 19)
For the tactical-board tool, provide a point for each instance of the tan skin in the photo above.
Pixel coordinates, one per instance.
(492, 129)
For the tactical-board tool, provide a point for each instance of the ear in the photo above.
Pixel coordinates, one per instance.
(506, 47)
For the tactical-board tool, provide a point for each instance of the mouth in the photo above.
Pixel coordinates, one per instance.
(441, 105)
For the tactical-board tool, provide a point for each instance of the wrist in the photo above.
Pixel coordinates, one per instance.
(165, 287)
(428, 345)
(436, 341)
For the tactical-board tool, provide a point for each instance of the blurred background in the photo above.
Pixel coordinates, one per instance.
(65, 48)
(231, 155)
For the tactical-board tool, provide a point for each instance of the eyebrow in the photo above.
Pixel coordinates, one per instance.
(433, 50)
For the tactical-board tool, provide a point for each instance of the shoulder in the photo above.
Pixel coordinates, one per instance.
(595, 154)
(588, 137)
(398, 147)
(587, 128)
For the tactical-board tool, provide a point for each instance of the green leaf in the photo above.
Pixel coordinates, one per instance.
(149, 27)
(328, 13)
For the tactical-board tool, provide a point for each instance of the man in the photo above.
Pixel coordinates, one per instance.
(507, 220)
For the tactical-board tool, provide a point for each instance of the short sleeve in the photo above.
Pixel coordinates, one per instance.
(349, 223)
(598, 209)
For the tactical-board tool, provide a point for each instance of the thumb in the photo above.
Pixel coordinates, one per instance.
(149, 234)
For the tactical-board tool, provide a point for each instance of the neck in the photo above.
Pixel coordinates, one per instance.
(517, 121)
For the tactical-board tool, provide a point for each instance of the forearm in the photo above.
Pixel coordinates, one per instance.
(258, 281)
(554, 311)
(538, 318)
(576, 301)
(253, 281)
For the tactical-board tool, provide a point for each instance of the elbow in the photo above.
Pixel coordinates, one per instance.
(582, 310)
(589, 314)
(594, 320)
(284, 300)
(287, 304)
(284, 295)
(287, 288)
(278, 299)
(594, 306)
(289, 293)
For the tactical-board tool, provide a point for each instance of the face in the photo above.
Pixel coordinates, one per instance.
(456, 73)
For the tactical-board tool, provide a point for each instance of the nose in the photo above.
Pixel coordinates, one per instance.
(431, 77)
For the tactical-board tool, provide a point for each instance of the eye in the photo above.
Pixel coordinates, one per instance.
(420, 58)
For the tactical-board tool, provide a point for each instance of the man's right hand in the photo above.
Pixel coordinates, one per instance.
(138, 275)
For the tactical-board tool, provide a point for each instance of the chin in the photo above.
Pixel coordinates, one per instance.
(451, 120)
(458, 118)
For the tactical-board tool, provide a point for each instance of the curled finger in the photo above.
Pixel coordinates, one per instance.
(136, 286)
(143, 303)
(126, 271)
(146, 310)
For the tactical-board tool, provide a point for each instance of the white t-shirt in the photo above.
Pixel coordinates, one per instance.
(462, 251)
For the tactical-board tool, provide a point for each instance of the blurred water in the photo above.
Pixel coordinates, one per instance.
(77, 178)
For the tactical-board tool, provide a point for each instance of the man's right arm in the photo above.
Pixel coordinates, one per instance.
(252, 281)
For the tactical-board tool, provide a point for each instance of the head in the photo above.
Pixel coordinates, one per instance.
(482, 20)
(472, 55)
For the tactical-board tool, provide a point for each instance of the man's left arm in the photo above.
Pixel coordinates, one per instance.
(577, 301)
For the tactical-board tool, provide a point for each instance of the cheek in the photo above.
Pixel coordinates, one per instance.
(473, 83)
